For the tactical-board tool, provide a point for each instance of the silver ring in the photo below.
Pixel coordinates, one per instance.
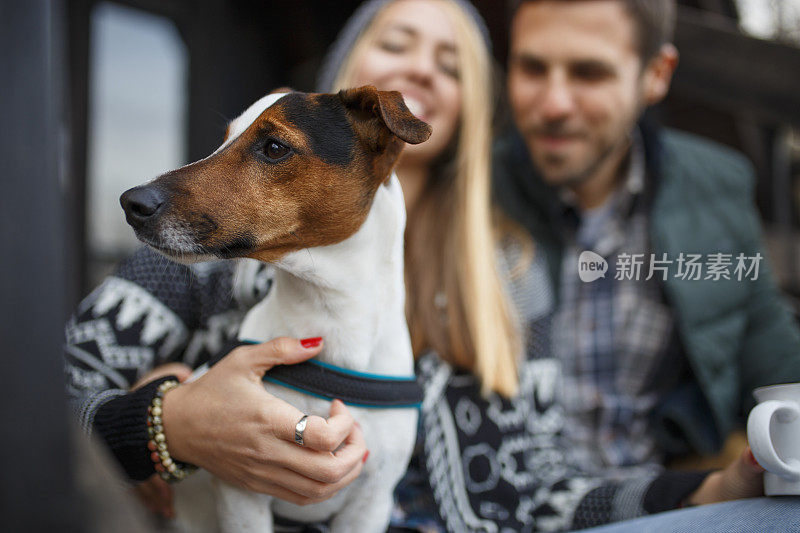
(299, 428)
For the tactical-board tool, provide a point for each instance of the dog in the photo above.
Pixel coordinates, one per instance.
(305, 182)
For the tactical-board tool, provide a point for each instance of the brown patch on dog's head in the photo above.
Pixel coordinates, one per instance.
(302, 174)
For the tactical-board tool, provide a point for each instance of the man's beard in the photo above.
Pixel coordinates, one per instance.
(581, 176)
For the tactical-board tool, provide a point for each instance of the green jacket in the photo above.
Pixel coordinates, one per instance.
(737, 335)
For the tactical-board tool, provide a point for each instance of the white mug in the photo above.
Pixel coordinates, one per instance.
(773, 431)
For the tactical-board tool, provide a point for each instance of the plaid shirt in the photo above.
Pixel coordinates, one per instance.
(612, 336)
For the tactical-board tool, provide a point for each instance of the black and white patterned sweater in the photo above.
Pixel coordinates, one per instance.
(481, 464)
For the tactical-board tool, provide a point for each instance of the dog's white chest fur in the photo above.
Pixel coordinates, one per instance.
(352, 295)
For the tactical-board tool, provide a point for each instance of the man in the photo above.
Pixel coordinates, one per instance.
(661, 351)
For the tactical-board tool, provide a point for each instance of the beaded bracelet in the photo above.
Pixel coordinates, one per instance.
(168, 468)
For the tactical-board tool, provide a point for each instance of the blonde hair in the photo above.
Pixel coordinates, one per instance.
(450, 242)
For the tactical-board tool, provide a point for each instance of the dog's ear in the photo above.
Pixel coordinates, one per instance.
(383, 110)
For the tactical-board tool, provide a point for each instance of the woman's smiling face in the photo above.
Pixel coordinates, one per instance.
(413, 50)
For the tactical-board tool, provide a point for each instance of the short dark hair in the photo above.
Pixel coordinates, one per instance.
(654, 22)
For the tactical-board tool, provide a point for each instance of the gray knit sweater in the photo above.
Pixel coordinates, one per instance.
(482, 464)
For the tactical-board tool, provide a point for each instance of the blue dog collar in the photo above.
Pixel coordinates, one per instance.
(331, 382)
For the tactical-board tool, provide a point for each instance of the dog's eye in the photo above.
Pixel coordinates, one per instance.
(276, 151)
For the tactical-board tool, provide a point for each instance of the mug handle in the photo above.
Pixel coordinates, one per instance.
(758, 436)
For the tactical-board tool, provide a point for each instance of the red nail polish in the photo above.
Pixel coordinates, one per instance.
(364, 460)
(311, 342)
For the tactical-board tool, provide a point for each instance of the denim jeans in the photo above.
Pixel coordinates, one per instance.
(774, 514)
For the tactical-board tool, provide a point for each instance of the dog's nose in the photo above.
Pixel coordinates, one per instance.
(141, 204)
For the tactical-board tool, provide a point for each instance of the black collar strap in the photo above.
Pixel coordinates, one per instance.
(330, 382)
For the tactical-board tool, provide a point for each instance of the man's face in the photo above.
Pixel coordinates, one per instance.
(575, 84)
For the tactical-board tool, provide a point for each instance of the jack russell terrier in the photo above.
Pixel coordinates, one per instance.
(305, 182)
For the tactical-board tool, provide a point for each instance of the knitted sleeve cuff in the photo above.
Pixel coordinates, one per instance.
(88, 409)
(122, 424)
(670, 488)
(624, 500)
(613, 502)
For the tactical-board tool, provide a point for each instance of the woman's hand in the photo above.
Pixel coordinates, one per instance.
(227, 423)
(741, 479)
(154, 492)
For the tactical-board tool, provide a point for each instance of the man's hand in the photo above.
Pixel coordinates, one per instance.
(227, 423)
(741, 479)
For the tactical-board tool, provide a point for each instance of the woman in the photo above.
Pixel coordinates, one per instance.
(489, 453)
(456, 305)
(489, 445)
